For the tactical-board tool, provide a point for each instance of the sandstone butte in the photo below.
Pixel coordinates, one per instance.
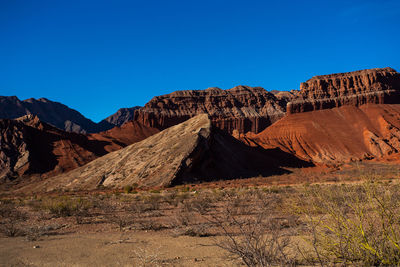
(192, 151)
(241, 108)
(31, 147)
(340, 117)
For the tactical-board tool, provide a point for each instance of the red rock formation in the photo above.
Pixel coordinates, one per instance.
(129, 133)
(241, 108)
(285, 96)
(29, 146)
(336, 135)
(378, 86)
(193, 151)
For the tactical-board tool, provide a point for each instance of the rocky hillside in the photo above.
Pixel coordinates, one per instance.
(59, 115)
(377, 86)
(120, 117)
(53, 113)
(241, 108)
(31, 147)
(336, 135)
(127, 134)
(191, 151)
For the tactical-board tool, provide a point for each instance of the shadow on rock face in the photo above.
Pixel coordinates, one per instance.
(222, 157)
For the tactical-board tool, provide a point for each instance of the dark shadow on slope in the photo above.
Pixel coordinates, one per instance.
(222, 157)
(41, 144)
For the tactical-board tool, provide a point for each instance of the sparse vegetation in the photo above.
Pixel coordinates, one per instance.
(11, 219)
(358, 225)
(342, 224)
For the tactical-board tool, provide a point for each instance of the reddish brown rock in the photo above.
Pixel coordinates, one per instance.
(336, 135)
(129, 133)
(241, 108)
(193, 151)
(285, 96)
(377, 86)
(31, 147)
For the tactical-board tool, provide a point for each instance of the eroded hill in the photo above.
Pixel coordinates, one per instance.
(189, 152)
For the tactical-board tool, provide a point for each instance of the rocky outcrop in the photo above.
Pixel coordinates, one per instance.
(336, 135)
(120, 117)
(50, 112)
(31, 147)
(189, 152)
(127, 134)
(14, 153)
(285, 96)
(241, 108)
(377, 86)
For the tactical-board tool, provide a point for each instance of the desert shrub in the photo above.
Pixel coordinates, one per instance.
(11, 219)
(67, 206)
(145, 257)
(35, 232)
(198, 230)
(171, 198)
(358, 225)
(259, 239)
(201, 204)
(150, 225)
(115, 213)
(128, 189)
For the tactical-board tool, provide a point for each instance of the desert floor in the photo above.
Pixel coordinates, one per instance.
(180, 226)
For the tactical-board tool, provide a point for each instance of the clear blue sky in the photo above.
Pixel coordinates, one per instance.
(97, 56)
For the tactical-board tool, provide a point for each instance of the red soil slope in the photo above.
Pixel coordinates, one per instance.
(336, 135)
(129, 133)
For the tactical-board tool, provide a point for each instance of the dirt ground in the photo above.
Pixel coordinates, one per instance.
(113, 249)
(159, 227)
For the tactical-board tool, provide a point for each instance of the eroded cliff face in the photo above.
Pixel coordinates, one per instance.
(241, 108)
(13, 149)
(375, 86)
(343, 134)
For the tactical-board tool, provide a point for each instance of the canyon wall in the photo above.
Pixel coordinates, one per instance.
(375, 86)
(242, 108)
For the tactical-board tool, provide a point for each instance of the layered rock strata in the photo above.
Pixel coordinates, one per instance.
(376, 86)
(343, 134)
(192, 151)
(241, 108)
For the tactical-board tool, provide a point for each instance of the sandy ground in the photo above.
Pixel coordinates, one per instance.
(101, 244)
(113, 249)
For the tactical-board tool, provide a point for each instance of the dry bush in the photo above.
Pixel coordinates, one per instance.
(66, 206)
(199, 230)
(171, 198)
(35, 232)
(352, 225)
(144, 257)
(116, 213)
(11, 219)
(257, 239)
(149, 225)
(201, 204)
